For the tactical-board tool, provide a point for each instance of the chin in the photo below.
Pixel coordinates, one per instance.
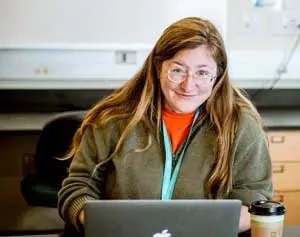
(184, 111)
(181, 108)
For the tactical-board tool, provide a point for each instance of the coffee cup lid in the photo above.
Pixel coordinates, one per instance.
(267, 208)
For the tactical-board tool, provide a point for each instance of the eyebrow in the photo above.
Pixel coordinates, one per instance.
(184, 65)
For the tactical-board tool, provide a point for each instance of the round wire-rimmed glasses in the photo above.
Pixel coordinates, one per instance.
(178, 74)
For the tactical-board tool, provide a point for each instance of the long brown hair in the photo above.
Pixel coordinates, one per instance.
(140, 99)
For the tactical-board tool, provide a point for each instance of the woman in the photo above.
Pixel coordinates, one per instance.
(179, 118)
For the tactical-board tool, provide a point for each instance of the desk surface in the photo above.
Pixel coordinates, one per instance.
(288, 231)
(281, 118)
(24, 121)
(291, 231)
(36, 121)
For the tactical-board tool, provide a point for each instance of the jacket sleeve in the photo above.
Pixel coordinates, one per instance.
(85, 180)
(252, 167)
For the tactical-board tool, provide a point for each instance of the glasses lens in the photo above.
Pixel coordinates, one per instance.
(203, 77)
(177, 73)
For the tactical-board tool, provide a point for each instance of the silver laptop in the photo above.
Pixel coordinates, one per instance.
(157, 218)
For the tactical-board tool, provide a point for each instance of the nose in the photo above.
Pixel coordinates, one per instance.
(188, 83)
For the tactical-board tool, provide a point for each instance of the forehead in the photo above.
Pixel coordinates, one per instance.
(197, 57)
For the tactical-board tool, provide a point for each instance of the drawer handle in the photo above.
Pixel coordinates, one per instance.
(278, 198)
(278, 168)
(277, 139)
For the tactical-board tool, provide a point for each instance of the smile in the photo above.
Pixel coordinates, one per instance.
(185, 96)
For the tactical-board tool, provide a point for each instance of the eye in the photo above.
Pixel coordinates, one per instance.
(177, 70)
(203, 73)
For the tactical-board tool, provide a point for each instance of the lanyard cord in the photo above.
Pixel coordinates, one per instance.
(169, 177)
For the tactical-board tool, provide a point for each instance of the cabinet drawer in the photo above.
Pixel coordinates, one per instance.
(292, 205)
(286, 176)
(284, 145)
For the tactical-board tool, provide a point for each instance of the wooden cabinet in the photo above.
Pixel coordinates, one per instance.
(292, 204)
(284, 148)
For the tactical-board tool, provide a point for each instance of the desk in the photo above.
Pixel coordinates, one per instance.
(279, 118)
(289, 231)
(36, 121)
(32, 121)
(24, 121)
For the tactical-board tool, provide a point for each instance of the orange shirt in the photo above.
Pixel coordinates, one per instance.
(178, 126)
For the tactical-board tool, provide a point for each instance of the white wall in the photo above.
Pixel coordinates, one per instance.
(97, 28)
(260, 40)
(97, 21)
(262, 28)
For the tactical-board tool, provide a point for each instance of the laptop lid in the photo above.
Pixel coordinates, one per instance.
(157, 218)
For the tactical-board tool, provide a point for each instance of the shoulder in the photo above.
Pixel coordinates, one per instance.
(112, 129)
(99, 141)
(251, 143)
(250, 133)
(250, 124)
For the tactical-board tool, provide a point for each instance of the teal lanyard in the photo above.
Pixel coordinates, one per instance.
(169, 178)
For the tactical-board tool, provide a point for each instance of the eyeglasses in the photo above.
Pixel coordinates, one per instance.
(178, 74)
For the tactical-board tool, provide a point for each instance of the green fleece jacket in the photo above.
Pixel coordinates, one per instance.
(138, 175)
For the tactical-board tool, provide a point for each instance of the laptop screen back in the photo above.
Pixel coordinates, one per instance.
(157, 218)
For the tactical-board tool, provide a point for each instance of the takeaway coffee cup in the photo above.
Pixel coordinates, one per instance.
(267, 218)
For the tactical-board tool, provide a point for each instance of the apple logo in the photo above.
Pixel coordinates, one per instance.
(164, 233)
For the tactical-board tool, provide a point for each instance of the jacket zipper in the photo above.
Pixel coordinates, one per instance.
(174, 160)
(175, 155)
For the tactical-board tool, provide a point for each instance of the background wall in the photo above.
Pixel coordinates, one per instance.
(96, 28)
(135, 21)
(94, 21)
(259, 39)
(269, 27)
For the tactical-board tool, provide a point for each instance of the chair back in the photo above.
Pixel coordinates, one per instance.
(54, 141)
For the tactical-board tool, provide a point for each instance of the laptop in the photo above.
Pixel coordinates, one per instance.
(157, 218)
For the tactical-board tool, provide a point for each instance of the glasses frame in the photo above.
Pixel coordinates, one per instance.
(188, 74)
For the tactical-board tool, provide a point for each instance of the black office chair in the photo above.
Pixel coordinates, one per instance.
(41, 187)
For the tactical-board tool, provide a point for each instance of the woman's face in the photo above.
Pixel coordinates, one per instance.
(187, 79)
